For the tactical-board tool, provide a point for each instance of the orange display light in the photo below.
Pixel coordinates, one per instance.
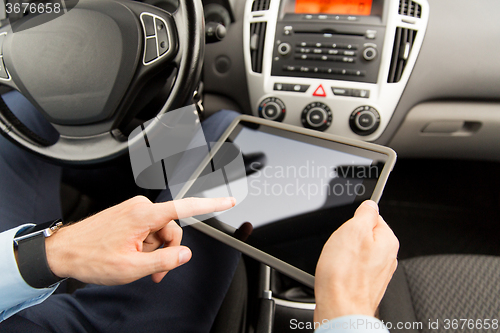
(336, 7)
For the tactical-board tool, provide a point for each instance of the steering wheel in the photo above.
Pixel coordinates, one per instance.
(85, 67)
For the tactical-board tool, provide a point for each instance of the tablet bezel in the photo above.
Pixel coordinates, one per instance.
(251, 251)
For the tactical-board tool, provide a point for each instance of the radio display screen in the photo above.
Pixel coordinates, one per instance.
(336, 7)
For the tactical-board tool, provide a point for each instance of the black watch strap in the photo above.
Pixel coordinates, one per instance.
(32, 262)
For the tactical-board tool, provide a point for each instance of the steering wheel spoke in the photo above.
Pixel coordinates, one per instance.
(87, 71)
(5, 77)
(160, 42)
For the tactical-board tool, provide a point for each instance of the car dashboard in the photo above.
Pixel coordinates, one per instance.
(419, 76)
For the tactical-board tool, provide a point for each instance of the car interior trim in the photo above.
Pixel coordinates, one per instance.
(383, 96)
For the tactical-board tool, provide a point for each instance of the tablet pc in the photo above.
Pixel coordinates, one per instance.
(293, 187)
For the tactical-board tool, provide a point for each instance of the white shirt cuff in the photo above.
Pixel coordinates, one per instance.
(15, 293)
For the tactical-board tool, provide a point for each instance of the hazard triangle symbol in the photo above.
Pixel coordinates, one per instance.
(320, 91)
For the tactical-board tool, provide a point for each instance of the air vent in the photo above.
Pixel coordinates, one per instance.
(260, 5)
(257, 39)
(403, 43)
(409, 8)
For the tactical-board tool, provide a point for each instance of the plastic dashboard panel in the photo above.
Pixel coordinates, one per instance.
(458, 60)
(460, 129)
(228, 88)
(384, 97)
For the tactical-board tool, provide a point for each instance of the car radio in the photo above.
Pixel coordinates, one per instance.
(329, 40)
(338, 66)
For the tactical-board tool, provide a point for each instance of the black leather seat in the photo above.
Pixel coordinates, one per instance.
(442, 288)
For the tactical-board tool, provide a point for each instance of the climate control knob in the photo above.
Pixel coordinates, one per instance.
(284, 49)
(272, 108)
(364, 120)
(369, 53)
(317, 116)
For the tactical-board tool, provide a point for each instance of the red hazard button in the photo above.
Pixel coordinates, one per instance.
(320, 91)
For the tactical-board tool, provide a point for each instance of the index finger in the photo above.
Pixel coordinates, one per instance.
(183, 208)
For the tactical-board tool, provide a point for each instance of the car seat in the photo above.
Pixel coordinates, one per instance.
(436, 290)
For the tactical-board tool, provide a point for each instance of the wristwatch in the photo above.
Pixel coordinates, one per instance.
(31, 255)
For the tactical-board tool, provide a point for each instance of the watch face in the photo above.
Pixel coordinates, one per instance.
(47, 228)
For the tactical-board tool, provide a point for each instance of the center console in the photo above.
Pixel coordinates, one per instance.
(338, 66)
(330, 65)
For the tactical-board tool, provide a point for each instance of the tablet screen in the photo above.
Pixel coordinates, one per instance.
(299, 189)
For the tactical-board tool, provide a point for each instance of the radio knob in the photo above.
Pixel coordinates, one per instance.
(317, 116)
(364, 120)
(369, 53)
(284, 49)
(272, 108)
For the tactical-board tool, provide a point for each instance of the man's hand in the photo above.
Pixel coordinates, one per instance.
(355, 266)
(122, 244)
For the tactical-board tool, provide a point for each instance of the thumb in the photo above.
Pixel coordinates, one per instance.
(367, 214)
(163, 259)
(366, 205)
